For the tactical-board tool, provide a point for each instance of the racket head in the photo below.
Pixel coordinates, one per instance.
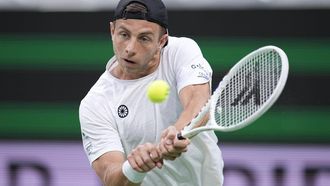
(249, 89)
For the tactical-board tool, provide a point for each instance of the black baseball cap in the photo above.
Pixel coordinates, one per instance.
(156, 11)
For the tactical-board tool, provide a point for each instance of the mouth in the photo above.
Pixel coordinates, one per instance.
(129, 61)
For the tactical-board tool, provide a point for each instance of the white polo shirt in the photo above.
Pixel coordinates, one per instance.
(116, 115)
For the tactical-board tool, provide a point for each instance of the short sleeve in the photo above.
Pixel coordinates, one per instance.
(190, 65)
(98, 134)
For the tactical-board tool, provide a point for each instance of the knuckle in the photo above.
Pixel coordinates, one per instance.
(139, 147)
(130, 156)
(139, 164)
(149, 145)
(135, 166)
(171, 149)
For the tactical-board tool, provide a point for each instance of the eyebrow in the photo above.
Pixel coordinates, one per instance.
(142, 33)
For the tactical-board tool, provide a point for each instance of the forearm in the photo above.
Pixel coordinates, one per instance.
(109, 168)
(113, 176)
(187, 115)
(193, 98)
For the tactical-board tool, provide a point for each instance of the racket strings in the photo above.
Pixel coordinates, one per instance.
(248, 89)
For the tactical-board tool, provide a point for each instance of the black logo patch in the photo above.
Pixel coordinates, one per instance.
(250, 89)
(122, 111)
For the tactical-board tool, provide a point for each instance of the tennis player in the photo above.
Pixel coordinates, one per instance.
(131, 141)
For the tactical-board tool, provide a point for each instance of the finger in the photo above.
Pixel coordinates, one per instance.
(164, 133)
(164, 152)
(169, 157)
(171, 153)
(155, 155)
(157, 159)
(134, 164)
(171, 135)
(181, 144)
(162, 149)
(141, 163)
(148, 162)
(148, 154)
(160, 164)
(167, 149)
(140, 156)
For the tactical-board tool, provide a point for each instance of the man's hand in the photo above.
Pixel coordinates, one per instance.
(170, 146)
(145, 157)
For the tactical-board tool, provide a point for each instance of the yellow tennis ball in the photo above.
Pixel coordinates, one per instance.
(158, 91)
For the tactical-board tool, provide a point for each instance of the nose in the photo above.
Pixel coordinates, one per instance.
(130, 47)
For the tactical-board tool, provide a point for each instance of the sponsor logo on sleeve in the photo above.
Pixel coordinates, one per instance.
(202, 71)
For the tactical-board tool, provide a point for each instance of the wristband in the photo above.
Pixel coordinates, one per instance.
(131, 174)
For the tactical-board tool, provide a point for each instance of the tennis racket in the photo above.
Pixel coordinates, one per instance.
(249, 89)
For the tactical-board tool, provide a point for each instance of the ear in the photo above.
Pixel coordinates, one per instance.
(163, 40)
(112, 28)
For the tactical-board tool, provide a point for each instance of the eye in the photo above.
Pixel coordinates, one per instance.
(145, 39)
(123, 35)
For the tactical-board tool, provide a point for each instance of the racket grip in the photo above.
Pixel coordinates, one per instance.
(180, 137)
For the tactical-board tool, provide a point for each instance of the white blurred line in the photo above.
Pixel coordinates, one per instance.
(98, 5)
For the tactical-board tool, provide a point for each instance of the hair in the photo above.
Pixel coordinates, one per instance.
(138, 7)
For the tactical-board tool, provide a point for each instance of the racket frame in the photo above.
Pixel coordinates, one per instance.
(189, 131)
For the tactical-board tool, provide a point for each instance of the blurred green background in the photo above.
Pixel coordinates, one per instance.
(49, 60)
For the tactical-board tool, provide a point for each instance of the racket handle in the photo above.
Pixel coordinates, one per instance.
(180, 137)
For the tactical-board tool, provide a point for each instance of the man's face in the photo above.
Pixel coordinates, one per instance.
(136, 44)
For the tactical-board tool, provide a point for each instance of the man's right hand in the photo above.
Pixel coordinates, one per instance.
(170, 146)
